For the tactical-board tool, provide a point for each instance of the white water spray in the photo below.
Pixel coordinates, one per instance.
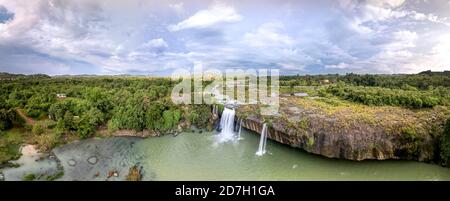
(227, 126)
(262, 141)
(240, 129)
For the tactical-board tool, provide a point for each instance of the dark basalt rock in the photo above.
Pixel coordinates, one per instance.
(358, 144)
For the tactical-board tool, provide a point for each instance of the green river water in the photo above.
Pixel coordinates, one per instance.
(197, 156)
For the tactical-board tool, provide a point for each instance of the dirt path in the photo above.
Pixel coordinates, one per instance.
(29, 120)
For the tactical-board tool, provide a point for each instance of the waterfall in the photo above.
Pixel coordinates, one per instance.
(262, 141)
(240, 129)
(227, 126)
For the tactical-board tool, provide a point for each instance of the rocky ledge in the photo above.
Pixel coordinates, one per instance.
(353, 132)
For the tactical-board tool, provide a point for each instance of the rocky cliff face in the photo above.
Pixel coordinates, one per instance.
(355, 145)
(352, 139)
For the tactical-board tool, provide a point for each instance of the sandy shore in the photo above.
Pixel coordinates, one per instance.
(29, 150)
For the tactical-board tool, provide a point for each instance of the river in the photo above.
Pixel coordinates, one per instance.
(199, 156)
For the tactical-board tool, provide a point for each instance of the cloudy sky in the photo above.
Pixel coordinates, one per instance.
(156, 37)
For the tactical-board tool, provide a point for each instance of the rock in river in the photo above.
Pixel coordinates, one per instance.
(71, 162)
(92, 160)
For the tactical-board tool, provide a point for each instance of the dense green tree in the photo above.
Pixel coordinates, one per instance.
(200, 115)
(385, 96)
(99, 98)
(39, 104)
(154, 119)
(9, 118)
(445, 144)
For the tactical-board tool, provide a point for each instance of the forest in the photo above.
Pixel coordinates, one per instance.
(55, 110)
(423, 90)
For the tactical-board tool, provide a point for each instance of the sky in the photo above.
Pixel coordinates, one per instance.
(149, 37)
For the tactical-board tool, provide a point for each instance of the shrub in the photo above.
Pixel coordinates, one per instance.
(112, 126)
(9, 118)
(55, 176)
(37, 129)
(29, 177)
(47, 141)
(200, 115)
(384, 96)
(445, 145)
(134, 174)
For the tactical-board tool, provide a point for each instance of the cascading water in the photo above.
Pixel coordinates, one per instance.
(227, 126)
(262, 141)
(240, 129)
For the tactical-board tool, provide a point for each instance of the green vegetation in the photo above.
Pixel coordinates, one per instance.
(303, 123)
(56, 176)
(423, 90)
(9, 118)
(398, 97)
(445, 144)
(37, 129)
(55, 110)
(29, 177)
(10, 142)
(423, 80)
(34, 177)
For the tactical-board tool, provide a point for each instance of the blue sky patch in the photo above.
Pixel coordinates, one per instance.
(5, 15)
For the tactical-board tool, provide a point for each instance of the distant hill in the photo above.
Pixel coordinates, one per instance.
(429, 72)
(9, 76)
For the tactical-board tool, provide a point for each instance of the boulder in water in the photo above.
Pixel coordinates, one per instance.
(72, 162)
(92, 160)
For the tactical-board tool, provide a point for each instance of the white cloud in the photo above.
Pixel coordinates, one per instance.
(393, 56)
(401, 40)
(25, 17)
(439, 56)
(386, 3)
(83, 31)
(375, 13)
(268, 35)
(390, 53)
(156, 43)
(372, 11)
(430, 17)
(218, 13)
(341, 65)
(177, 7)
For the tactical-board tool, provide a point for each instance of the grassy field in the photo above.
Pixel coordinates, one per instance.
(10, 142)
